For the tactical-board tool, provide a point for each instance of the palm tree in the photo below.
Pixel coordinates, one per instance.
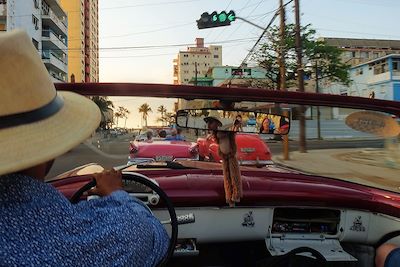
(162, 110)
(105, 107)
(117, 115)
(126, 113)
(145, 109)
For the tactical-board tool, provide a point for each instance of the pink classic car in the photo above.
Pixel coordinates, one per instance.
(162, 151)
(251, 150)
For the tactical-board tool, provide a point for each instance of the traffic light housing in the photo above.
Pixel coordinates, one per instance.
(215, 19)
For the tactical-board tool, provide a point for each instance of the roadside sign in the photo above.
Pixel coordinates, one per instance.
(373, 122)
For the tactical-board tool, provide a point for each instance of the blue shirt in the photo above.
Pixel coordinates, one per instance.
(39, 227)
(175, 138)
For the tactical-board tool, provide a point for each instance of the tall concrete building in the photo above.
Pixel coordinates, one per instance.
(46, 23)
(198, 58)
(358, 51)
(83, 43)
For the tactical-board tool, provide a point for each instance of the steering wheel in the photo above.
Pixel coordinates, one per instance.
(289, 258)
(144, 180)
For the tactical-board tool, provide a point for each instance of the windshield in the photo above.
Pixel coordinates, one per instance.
(343, 53)
(341, 143)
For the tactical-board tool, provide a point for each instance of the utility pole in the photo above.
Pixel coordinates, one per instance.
(195, 73)
(317, 91)
(282, 72)
(300, 79)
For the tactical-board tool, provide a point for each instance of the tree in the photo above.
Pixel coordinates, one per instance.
(123, 113)
(105, 107)
(168, 119)
(127, 112)
(145, 109)
(117, 115)
(162, 110)
(330, 66)
(323, 60)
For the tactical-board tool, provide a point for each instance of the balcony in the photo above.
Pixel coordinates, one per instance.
(57, 78)
(54, 61)
(3, 8)
(59, 26)
(53, 41)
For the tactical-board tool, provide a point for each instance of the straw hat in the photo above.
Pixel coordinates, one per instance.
(37, 124)
(211, 118)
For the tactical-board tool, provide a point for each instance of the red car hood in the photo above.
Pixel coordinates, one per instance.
(204, 187)
(251, 146)
(177, 149)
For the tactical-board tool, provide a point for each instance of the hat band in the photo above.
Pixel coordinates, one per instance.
(35, 115)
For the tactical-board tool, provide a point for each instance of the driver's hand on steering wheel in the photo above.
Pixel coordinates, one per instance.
(107, 182)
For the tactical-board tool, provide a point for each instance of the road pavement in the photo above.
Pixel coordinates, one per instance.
(114, 152)
(373, 167)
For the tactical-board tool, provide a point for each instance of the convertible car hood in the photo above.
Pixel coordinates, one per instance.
(199, 188)
(173, 148)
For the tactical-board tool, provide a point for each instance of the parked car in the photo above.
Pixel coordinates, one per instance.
(162, 151)
(251, 150)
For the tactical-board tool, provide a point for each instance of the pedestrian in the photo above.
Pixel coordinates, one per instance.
(237, 124)
(149, 136)
(267, 126)
(39, 226)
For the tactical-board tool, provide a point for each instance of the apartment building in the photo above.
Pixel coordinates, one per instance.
(378, 78)
(196, 59)
(46, 23)
(358, 51)
(83, 45)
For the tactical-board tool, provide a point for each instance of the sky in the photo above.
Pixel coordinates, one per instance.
(128, 29)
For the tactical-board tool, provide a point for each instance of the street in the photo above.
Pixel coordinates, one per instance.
(115, 152)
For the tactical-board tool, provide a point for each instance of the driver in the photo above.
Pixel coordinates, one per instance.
(212, 123)
(387, 255)
(39, 226)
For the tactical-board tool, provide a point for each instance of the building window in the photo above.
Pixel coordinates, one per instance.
(216, 56)
(353, 54)
(395, 65)
(35, 43)
(364, 55)
(36, 4)
(381, 67)
(216, 48)
(35, 22)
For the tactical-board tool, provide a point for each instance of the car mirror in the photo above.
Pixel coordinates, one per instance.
(243, 121)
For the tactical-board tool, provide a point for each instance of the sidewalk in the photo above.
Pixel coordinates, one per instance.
(365, 166)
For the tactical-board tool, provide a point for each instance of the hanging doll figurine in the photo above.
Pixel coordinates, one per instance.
(230, 164)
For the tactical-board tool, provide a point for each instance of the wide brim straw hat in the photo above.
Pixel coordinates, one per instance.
(37, 123)
(212, 118)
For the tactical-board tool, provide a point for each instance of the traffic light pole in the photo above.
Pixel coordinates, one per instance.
(249, 22)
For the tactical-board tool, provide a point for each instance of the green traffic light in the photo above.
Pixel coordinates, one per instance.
(222, 17)
(214, 18)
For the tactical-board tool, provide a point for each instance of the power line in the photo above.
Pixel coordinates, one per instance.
(364, 33)
(154, 46)
(224, 29)
(254, 9)
(123, 7)
(143, 32)
(259, 39)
